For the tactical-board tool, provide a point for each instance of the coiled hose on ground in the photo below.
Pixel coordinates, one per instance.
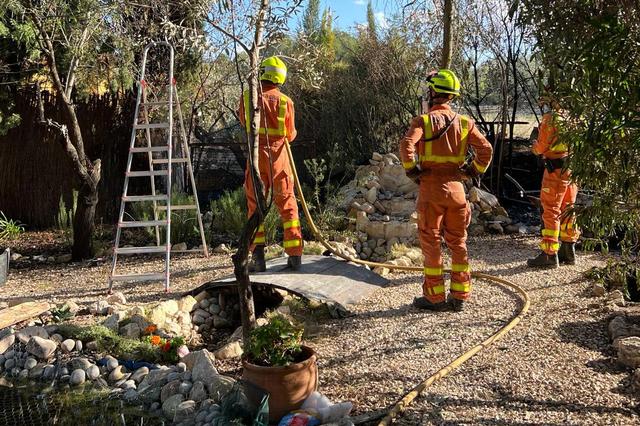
(407, 399)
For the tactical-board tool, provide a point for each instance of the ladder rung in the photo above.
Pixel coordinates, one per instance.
(188, 251)
(166, 161)
(144, 173)
(182, 207)
(144, 126)
(138, 277)
(142, 223)
(141, 250)
(130, 198)
(149, 149)
(156, 103)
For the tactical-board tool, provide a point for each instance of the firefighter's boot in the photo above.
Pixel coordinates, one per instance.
(258, 264)
(544, 260)
(294, 262)
(424, 303)
(567, 253)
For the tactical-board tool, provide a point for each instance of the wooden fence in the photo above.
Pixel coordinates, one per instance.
(35, 172)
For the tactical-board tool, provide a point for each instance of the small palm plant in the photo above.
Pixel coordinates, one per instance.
(9, 229)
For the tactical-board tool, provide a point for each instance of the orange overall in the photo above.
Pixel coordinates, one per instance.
(442, 204)
(277, 127)
(558, 192)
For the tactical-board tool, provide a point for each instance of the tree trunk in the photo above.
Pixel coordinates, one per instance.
(83, 222)
(447, 45)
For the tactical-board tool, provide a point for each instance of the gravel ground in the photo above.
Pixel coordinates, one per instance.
(554, 368)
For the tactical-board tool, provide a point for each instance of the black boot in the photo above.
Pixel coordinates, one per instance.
(424, 303)
(567, 253)
(456, 304)
(258, 264)
(294, 262)
(544, 260)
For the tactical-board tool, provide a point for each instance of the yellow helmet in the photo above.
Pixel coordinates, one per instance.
(273, 69)
(445, 81)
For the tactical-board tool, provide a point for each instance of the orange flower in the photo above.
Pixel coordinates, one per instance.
(150, 329)
(156, 340)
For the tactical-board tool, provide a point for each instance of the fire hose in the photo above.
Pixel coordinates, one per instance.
(408, 398)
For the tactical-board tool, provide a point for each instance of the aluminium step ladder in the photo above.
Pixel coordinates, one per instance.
(157, 155)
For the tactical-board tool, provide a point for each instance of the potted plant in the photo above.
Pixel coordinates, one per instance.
(277, 361)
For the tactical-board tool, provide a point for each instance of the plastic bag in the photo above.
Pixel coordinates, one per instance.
(327, 411)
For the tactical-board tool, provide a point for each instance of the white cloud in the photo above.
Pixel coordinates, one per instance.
(381, 20)
(360, 2)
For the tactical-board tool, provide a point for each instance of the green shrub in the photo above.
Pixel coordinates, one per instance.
(9, 228)
(230, 215)
(276, 343)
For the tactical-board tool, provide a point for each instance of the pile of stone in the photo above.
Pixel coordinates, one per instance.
(383, 201)
(215, 310)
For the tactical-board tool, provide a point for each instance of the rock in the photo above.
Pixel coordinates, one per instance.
(382, 271)
(179, 247)
(110, 362)
(49, 372)
(92, 346)
(475, 230)
(185, 388)
(221, 249)
(64, 258)
(99, 308)
(117, 373)
(41, 348)
(214, 309)
(185, 410)
(22, 374)
(93, 372)
(155, 378)
(368, 207)
(9, 364)
(139, 374)
(128, 384)
(170, 406)
(201, 364)
(616, 297)
(15, 257)
(219, 322)
(36, 372)
(117, 298)
(372, 195)
(219, 386)
(201, 296)
(56, 338)
(187, 304)
(78, 345)
(67, 345)
(80, 363)
(597, 290)
(27, 333)
(6, 342)
(376, 156)
(78, 377)
(131, 395)
(198, 320)
(181, 367)
(629, 351)
(29, 363)
(71, 306)
(112, 322)
(170, 389)
(131, 330)
(495, 228)
(516, 228)
(202, 313)
(198, 392)
(204, 303)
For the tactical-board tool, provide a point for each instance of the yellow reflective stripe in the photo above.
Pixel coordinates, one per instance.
(548, 245)
(479, 167)
(259, 240)
(293, 223)
(551, 233)
(461, 287)
(292, 243)
(439, 289)
(558, 147)
(409, 165)
(282, 114)
(459, 267)
(433, 271)
(428, 155)
(261, 228)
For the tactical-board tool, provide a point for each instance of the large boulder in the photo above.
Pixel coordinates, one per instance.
(27, 333)
(170, 389)
(170, 406)
(219, 386)
(629, 351)
(195, 357)
(6, 342)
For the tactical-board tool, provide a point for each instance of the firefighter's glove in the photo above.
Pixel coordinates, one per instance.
(414, 174)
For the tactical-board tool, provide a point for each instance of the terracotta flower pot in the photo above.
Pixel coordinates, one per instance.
(288, 386)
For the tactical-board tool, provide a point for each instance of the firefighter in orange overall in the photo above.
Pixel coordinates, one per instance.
(277, 127)
(434, 150)
(558, 193)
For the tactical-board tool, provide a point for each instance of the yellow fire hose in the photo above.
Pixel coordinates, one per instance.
(407, 399)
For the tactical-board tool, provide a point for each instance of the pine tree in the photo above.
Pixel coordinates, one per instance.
(311, 19)
(371, 22)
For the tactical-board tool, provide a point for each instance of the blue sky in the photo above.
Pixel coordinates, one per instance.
(348, 13)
